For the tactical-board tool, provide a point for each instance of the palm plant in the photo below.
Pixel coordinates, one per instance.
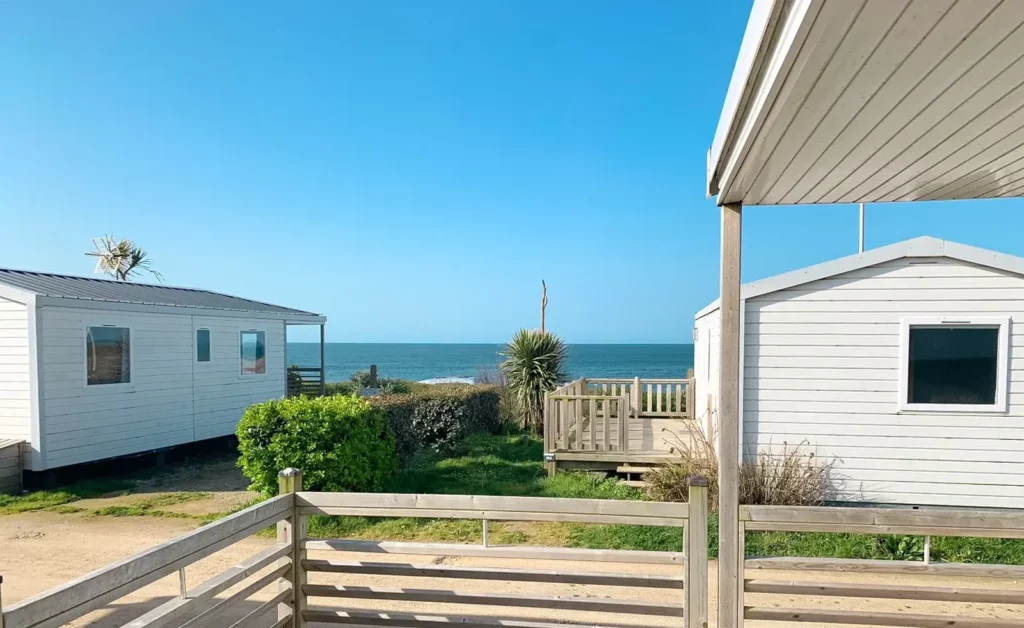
(121, 259)
(534, 365)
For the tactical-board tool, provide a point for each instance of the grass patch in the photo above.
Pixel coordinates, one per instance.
(86, 489)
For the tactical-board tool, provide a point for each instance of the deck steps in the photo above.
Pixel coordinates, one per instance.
(633, 469)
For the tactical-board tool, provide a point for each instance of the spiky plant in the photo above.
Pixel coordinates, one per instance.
(121, 259)
(534, 365)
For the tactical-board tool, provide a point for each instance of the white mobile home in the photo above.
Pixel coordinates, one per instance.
(900, 364)
(93, 369)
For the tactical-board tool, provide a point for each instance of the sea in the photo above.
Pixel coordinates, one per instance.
(467, 362)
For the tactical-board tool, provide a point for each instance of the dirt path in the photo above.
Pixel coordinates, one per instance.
(40, 550)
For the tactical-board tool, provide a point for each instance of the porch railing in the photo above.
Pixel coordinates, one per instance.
(594, 414)
(284, 567)
(305, 380)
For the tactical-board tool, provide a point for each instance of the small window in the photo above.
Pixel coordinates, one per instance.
(954, 365)
(202, 345)
(254, 353)
(107, 356)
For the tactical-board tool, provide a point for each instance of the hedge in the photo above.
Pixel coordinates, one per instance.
(439, 417)
(340, 443)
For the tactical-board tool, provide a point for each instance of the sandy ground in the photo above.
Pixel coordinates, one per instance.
(40, 550)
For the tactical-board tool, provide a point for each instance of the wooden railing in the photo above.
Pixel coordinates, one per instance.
(593, 414)
(926, 523)
(286, 564)
(305, 380)
(195, 606)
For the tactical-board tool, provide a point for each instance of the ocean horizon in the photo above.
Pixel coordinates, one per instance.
(427, 361)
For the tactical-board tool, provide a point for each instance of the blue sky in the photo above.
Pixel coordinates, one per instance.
(410, 169)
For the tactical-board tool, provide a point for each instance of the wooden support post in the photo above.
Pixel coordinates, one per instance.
(484, 533)
(638, 396)
(689, 392)
(182, 584)
(1, 602)
(729, 582)
(695, 607)
(323, 364)
(292, 531)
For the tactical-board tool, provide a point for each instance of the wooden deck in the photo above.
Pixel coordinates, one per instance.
(603, 423)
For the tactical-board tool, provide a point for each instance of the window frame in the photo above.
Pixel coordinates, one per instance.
(241, 371)
(209, 341)
(1002, 323)
(85, 357)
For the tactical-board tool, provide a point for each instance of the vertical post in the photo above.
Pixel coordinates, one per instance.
(1, 602)
(485, 533)
(638, 396)
(729, 585)
(182, 585)
(323, 364)
(695, 581)
(292, 531)
(689, 392)
(927, 550)
(861, 247)
(624, 425)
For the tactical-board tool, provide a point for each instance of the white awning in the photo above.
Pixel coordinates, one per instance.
(849, 101)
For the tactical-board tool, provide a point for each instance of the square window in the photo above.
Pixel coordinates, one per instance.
(107, 355)
(954, 365)
(202, 345)
(254, 352)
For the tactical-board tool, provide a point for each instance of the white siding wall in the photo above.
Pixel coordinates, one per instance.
(705, 370)
(822, 365)
(15, 409)
(221, 391)
(170, 401)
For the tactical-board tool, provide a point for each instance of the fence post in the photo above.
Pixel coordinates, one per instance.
(690, 405)
(638, 397)
(695, 582)
(292, 531)
(624, 425)
(1, 602)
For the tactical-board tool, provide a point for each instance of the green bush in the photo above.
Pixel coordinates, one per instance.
(340, 443)
(439, 417)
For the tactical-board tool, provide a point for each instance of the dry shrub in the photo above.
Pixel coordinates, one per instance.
(790, 477)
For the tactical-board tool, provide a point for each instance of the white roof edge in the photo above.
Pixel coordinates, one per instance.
(10, 293)
(754, 39)
(924, 246)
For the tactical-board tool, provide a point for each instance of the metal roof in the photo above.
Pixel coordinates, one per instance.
(924, 246)
(864, 101)
(93, 289)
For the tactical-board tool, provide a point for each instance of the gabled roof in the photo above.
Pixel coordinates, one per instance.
(917, 247)
(106, 290)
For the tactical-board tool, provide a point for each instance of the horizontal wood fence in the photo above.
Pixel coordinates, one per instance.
(286, 565)
(195, 607)
(305, 380)
(944, 522)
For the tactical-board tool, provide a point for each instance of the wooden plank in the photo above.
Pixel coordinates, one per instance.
(523, 552)
(937, 522)
(882, 591)
(492, 515)
(178, 608)
(500, 574)
(696, 544)
(578, 413)
(215, 611)
(263, 609)
(729, 615)
(480, 503)
(593, 425)
(605, 442)
(855, 565)
(59, 605)
(371, 617)
(875, 618)
(600, 605)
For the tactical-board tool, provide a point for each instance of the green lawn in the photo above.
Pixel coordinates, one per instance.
(511, 465)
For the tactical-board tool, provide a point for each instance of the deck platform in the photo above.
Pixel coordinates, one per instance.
(601, 424)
